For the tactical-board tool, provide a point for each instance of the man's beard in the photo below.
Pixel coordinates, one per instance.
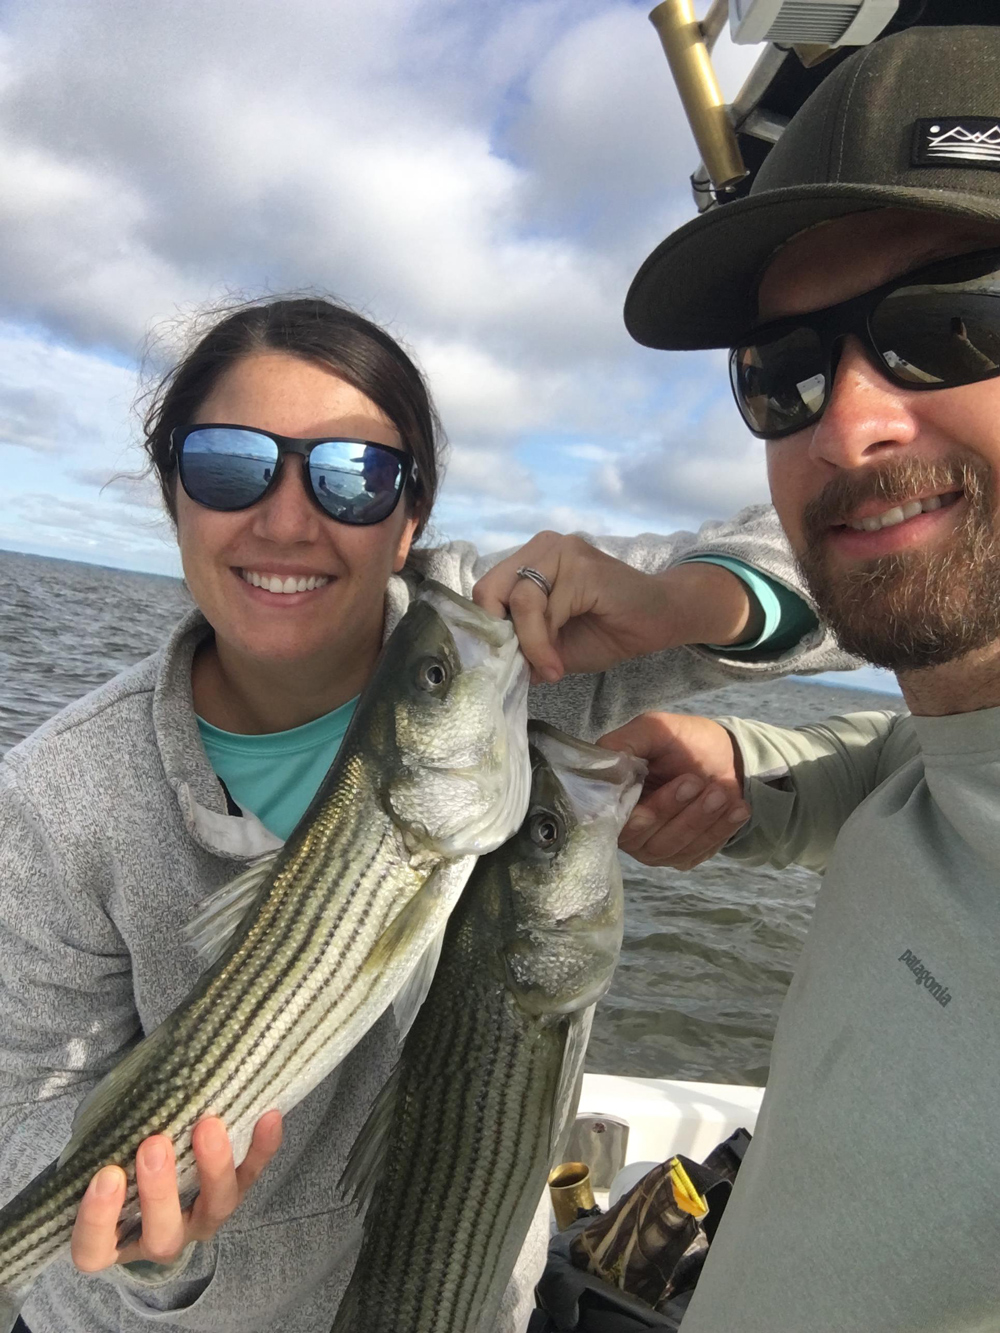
(917, 608)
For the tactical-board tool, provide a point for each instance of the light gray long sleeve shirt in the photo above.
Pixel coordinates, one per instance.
(113, 827)
(868, 1200)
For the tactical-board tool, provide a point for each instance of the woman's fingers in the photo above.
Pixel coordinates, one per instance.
(163, 1224)
(683, 822)
(94, 1244)
(166, 1227)
(528, 605)
(501, 592)
(265, 1143)
(219, 1192)
(223, 1184)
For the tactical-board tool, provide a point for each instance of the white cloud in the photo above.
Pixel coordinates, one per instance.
(708, 464)
(478, 394)
(484, 180)
(69, 457)
(56, 400)
(91, 529)
(486, 474)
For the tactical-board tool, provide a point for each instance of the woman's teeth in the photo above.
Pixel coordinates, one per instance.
(271, 582)
(900, 513)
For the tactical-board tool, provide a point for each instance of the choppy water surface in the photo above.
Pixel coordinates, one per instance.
(708, 953)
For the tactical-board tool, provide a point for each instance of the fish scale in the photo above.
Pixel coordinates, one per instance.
(225, 1030)
(305, 955)
(453, 1160)
(460, 1189)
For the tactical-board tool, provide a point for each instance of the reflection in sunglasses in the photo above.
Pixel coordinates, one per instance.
(897, 362)
(811, 391)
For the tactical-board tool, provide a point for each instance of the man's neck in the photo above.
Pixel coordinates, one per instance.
(966, 685)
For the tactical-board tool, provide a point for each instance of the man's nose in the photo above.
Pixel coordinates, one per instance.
(287, 513)
(866, 415)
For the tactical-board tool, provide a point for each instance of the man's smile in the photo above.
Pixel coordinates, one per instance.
(870, 518)
(878, 527)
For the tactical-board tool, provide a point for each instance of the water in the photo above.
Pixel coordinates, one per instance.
(708, 953)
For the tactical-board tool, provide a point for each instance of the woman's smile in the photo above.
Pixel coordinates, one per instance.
(284, 584)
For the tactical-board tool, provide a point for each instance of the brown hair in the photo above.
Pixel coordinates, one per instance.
(317, 330)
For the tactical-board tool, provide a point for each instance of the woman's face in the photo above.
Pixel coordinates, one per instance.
(286, 535)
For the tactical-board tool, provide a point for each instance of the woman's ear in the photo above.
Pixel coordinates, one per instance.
(410, 525)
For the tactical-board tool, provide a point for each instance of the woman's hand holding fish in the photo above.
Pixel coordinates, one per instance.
(692, 802)
(602, 612)
(166, 1227)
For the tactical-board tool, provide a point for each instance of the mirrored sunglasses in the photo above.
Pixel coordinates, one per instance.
(233, 467)
(937, 328)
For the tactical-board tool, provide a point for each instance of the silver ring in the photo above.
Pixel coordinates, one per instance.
(526, 572)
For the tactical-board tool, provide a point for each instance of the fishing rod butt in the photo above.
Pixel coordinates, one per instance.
(683, 41)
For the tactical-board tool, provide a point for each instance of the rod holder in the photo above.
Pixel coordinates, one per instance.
(684, 44)
(570, 1190)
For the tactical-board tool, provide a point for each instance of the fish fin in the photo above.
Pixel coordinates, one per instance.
(407, 1003)
(10, 1307)
(413, 918)
(346, 1320)
(101, 1098)
(366, 1160)
(211, 929)
(567, 1093)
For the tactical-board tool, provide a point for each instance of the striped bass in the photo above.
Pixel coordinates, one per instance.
(306, 950)
(454, 1157)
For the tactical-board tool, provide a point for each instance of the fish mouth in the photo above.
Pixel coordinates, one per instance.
(600, 783)
(489, 646)
(465, 619)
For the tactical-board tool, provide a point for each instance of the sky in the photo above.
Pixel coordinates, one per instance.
(483, 180)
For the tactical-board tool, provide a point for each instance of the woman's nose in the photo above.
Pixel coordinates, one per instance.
(866, 414)
(287, 513)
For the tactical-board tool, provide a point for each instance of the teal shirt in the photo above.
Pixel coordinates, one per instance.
(787, 618)
(277, 775)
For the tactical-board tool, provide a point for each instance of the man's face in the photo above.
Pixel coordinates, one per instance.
(922, 586)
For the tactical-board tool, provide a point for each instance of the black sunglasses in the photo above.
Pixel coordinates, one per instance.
(936, 328)
(232, 467)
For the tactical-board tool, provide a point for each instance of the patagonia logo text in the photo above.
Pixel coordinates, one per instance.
(922, 976)
(962, 141)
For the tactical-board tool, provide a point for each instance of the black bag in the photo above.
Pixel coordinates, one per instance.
(636, 1266)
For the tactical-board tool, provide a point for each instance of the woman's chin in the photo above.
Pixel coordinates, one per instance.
(271, 647)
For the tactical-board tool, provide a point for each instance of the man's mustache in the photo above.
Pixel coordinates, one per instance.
(893, 483)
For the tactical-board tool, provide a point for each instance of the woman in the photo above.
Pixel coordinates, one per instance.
(296, 450)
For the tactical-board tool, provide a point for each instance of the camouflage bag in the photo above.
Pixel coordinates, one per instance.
(644, 1254)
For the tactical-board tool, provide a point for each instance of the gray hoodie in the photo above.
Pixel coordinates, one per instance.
(113, 827)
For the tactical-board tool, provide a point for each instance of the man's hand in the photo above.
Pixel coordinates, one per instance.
(602, 612)
(692, 803)
(166, 1228)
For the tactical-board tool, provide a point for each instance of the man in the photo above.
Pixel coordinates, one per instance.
(859, 285)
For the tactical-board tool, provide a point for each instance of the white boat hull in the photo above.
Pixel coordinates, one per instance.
(666, 1116)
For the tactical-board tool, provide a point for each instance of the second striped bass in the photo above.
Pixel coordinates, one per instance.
(456, 1153)
(306, 950)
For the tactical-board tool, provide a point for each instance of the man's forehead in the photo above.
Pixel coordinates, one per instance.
(840, 259)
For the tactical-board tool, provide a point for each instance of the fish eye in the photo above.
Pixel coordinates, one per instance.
(545, 829)
(432, 674)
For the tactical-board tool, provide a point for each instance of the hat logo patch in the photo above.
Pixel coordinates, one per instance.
(957, 141)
